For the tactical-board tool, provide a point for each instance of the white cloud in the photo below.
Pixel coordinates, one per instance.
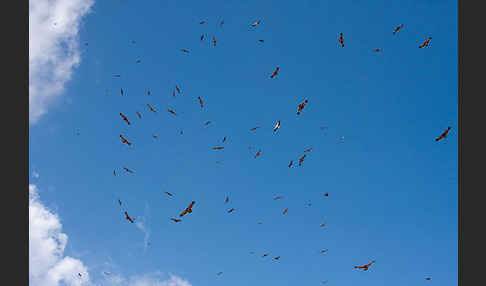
(35, 175)
(48, 266)
(141, 224)
(53, 49)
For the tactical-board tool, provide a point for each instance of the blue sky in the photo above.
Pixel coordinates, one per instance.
(392, 188)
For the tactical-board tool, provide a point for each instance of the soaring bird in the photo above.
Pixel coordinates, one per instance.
(128, 217)
(308, 150)
(226, 200)
(301, 160)
(124, 140)
(323, 224)
(444, 134)
(114, 172)
(265, 254)
(172, 112)
(428, 278)
(341, 40)
(254, 128)
(323, 251)
(426, 43)
(277, 126)
(176, 220)
(218, 148)
(125, 118)
(185, 51)
(277, 197)
(258, 153)
(200, 101)
(214, 41)
(148, 92)
(202, 22)
(261, 41)
(169, 194)
(128, 170)
(291, 162)
(202, 37)
(138, 61)
(224, 139)
(301, 106)
(365, 267)
(326, 194)
(139, 115)
(121, 91)
(285, 211)
(119, 202)
(256, 23)
(188, 209)
(178, 89)
(276, 258)
(275, 72)
(150, 107)
(116, 75)
(231, 210)
(397, 28)
(207, 122)
(377, 50)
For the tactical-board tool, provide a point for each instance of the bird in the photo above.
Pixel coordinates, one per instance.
(214, 41)
(139, 115)
(169, 194)
(124, 140)
(128, 217)
(185, 51)
(155, 136)
(397, 28)
(323, 224)
(149, 93)
(226, 200)
(276, 258)
(218, 148)
(275, 72)
(125, 118)
(178, 89)
(277, 197)
(308, 150)
(326, 194)
(261, 41)
(224, 139)
(231, 210)
(426, 43)
(341, 40)
(277, 126)
(114, 172)
(377, 50)
(176, 220)
(301, 106)
(138, 61)
(207, 122)
(121, 91)
(151, 108)
(265, 254)
(301, 160)
(254, 128)
(119, 202)
(202, 37)
(258, 153)
(219, 273)
(222, 23)
(128, 170)
(79, 274)
(444, 134)
(116, 75)
(256, 23)
(188, 209)
(428, 278)
(291, 162)
(285, 211)
(173, 93)
(202, 22)
(365, 267)
(200, 101)
(172, 112)
(323, 251)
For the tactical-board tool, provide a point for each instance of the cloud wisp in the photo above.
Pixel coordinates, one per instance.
(53, 49)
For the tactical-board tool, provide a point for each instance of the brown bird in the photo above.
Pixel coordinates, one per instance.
(341, 40)
(202, 37)
(275, 72)
(256, 23)
(301, 106)
(169, 194)
(207, 122)
(128, 217)
(291, 162)
(178, 89)
(149, 93)
(377, 50)
(277, 126)
(114, 172)
(125, 118)
(155, 136)
(200, 101)
(226, 200)
(365, 267)
(117, 75)
(308, 150)
(428, 278)
(265, 254)
(121, 91)
(172, 112)
(323, 224)
(397, 28)
(218, 148)
(222, 23)
(150, 107)
(119, 202)
(139, 115)
(224, 139)
(444, 134)
(276, 258)
(231, 210)
(254, 128)
(258, 153)
(185, 51)
(128, 170)
(426, 43)
(277, 197)
(301, 160)
(188, 209)
(214, 41)
(285, 211)
(202, 22)
(124, 140)
(176, 220)
(326, 194)
(261, 41)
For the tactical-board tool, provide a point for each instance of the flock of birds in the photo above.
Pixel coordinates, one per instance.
(177, 91)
